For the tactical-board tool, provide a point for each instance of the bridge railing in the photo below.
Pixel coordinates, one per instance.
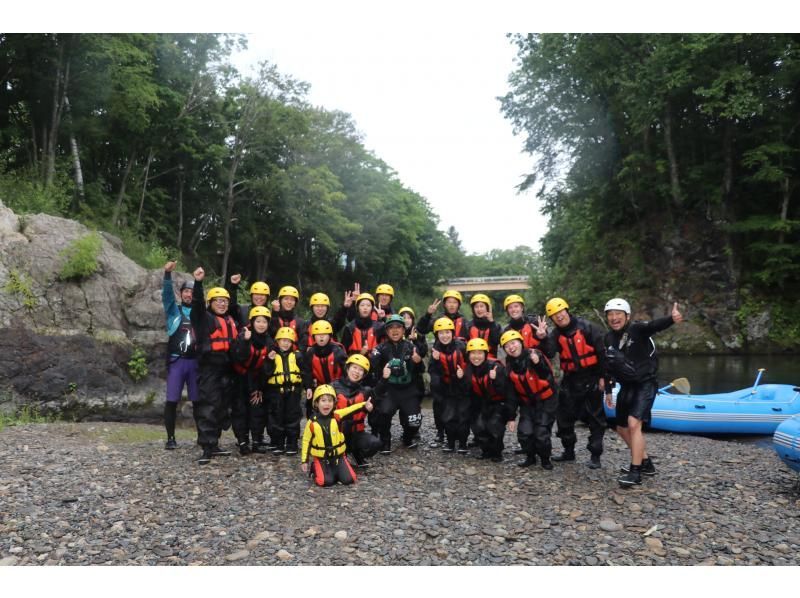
(482, 279)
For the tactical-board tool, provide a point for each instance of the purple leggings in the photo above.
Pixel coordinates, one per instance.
(179, 372)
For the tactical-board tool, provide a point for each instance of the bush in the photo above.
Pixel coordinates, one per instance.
(137, 366)
(148, 253)
(19, 284)
(81, 258)
(21, 194)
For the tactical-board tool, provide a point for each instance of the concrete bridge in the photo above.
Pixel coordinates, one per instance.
(487, 283)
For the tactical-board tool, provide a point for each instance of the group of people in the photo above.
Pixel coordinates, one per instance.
(258, 368)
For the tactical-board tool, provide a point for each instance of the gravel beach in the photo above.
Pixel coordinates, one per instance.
(108, 493)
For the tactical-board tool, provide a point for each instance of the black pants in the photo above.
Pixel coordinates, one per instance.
(581, 399)
(362, 445)
(326, 472)
(211, 411)
(438, 410)
(455, 416)
(536, 426)
(489, 427)
(241, 409)
(406, 400)
(284, 415)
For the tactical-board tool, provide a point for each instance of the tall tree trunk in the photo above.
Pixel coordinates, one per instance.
(59, 95)
(229, 205)
(79, 195)
(180, 210)
(150, 155)
(674, 181)
(787, 193)
(121, 194)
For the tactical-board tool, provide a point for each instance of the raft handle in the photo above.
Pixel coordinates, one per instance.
(777, 408)
(700, 406)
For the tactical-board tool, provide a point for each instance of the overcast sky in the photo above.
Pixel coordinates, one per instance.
(425, 104)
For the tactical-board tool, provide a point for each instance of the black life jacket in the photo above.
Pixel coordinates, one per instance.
(183, 341)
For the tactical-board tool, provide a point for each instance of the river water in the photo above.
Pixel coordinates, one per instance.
(724, 373)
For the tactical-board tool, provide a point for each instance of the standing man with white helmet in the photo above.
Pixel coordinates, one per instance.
(579, 344)
(631, 361)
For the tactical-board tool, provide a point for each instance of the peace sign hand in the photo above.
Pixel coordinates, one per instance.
(434, 306)
(541, 327)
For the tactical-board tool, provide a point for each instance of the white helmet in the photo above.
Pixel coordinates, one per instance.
(618, 304)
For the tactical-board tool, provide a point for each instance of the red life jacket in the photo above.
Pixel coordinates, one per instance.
(483, 386)
(450, 364)
(575, 348)
(224, 332)
(254, 362)
(325, 369)
(357, 418)
(357, 343)
(529, 386)
(459, 324)
(475, 332)
(529, 340)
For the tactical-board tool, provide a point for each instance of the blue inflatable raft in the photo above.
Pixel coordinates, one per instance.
(754, 410)
(786, 441)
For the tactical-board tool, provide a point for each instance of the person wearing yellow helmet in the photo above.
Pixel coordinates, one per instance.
(579, 345)
(283, 315)
(484, 382)
(363, 333)
(525, 324)
(323, 456)
(351, 390)
(287, 376)
(259, 297)
(395, 360)
(482, 324)
(451, 303)
(320, 305)
(325, 358)
(450, 403)
(384, 293)
(531, 390)
(215, 330)
(181, 350)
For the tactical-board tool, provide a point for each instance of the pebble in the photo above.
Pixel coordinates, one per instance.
(238, 555)
(609, 525)
(341, 535)
(9, 561)
(655, 545)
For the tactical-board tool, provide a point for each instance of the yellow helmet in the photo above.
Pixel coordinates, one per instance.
(409, 310)
(259, 288)
(286, 332)
(217, 292)
(477, 344)
(320, 391)
(363, 296)
(482, 298)
(259, 310)
(555, 305)
(319, 299)
(289, 292)
(384, 289)
(321, 327)
(358, 359)
(513, 299)
(510, 335)
(454, 294)
(443, 324)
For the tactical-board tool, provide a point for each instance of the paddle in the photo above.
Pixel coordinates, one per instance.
(758, 379)
(680, 384)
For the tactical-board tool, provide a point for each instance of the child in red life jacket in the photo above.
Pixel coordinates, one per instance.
(362, 334)
(531, 386)
(350, 391)
(248, 412)
(286, 377)
(320, 305)
(451, 302)
(323, 442)
(482, 324)
(523, 323)
(283, 315)
(215, 330)
(451, 407)
(484, 381)
(325, 359)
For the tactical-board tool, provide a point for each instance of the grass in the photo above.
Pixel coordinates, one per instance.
(27, 414)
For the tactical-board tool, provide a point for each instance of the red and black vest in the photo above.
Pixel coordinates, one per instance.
(476, 332)
(223, 334)
(358, 340)
(529, 386)
(450, 363)
(483, 386)
(356, 420)
(254, 362)
(529, 340)
(576, 353)
(325, 369)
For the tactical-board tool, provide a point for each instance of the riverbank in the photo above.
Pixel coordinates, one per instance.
(106, 493)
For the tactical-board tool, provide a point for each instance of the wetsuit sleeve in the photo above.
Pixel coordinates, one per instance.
(302, 335)
(512, 401)
(168, 297)
(494, 334)
(347, 337)
(657, 325)
(541, 369)
(199, 314)
(240, 349)
(549, 344)
(305, 369)
(234, 309)
(339, 320)
(269, 367)
(346, 411)
(425, 324)
(306, 443)
(340, 357)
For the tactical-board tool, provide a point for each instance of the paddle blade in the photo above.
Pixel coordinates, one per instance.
(682, 385)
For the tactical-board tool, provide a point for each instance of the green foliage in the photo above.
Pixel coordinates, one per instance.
(137, 365)
(80, 258)
(147, 252)
(20, 192)
(20, 284)
(27, 414)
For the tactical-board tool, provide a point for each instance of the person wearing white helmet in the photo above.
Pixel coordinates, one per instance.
(631, 361)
